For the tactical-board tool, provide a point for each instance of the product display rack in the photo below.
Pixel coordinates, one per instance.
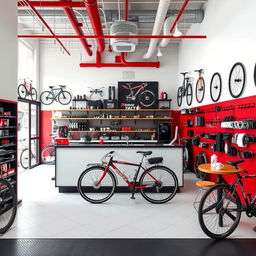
(85, 115)
(8, 146)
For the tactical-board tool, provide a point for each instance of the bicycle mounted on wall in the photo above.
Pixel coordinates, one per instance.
(185, 90)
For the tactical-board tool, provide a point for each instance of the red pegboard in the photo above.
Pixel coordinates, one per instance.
(228, 108)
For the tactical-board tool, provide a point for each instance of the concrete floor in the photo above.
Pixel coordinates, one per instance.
(45, 213)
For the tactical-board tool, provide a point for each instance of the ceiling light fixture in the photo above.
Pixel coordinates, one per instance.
(177, 32)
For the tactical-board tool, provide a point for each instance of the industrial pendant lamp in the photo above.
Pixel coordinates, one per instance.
(177, 32)
(159, 54)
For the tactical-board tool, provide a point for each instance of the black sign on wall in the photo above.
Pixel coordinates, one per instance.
(134, 94)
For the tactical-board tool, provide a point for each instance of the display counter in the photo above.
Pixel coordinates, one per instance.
(72, 160)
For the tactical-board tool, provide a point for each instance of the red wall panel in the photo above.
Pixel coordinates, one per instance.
(46, 127)
(215, 127)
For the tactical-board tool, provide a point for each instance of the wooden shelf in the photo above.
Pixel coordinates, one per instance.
(112, 131)
(7, 127)
(7, 117)
(113, 118)
(7, 145)
(8, 137)
(113, 110)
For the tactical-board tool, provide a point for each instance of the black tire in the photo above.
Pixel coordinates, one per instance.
(47, 97)
(64, 97)
(254, 75)
(200, 89)
(179, 96)
(48, 155)
(236, 90)
(8, 205)
(189, 94)
(87, 191)
(210, 205)
(33, 94)
(22, 91)
(169, 191)
(215, 87)
(185, 159)
(200, 159)
(24, 158)
(147, 98)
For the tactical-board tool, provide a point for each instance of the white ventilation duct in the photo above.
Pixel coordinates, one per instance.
(166, 31)
(162, 10)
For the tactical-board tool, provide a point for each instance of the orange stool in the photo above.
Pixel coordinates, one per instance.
(203, 186)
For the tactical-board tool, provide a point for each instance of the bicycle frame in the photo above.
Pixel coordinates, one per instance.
(56, 94)
(121, 174)
(138, 87)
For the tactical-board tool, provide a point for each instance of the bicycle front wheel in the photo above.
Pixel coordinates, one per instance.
(219, 211)
(33, 94)
(48, 155)
(161, 184)
(189, 94)
(88, 188)
(200, 89)
(24, 158)
(8, 205)
(64, 97)
(47, 97)
(22, 91)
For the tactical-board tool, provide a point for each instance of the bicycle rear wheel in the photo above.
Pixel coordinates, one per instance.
(22, 91)
(161, 191)
(8, 205)
(200, 89)
(179, 96)
(64, 97)
(219, 211)
(88, 188)
(147, 98)
(47, 97)
(48, 155)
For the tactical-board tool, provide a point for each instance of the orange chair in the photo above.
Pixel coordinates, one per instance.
(203, 186)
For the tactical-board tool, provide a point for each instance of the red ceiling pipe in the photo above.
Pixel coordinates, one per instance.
(179, 15)
(93, 13)
(139, 64)
(107, 36)
(56, 4)
(46, 25)
(123, 63)
(72, 18)
(126, 13)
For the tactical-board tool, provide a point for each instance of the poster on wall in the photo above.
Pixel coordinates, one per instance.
(138, 95)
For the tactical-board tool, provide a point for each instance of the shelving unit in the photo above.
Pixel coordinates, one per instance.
(98, 118)
(8, 151)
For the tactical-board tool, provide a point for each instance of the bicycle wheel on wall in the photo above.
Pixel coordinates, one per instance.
(64, 97)
(163, 190)
(200, 159)
(189, 94)
(237, 79)
(200, 89)
(88, 188)
(22, 91)
(179, 96)
(48, 155)
(219, 211)
(215, 87)
(47, 97)
(8, 205)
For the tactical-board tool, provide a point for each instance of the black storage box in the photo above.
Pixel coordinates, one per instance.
(110, 104)
(96, 104)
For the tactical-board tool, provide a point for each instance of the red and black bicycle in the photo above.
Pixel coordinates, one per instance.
(158, 184)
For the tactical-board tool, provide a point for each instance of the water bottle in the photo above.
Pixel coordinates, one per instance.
(214, 160)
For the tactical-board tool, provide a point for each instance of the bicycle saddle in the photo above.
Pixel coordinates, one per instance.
(51, 87)
(184, 73)
(235, 163)
(62, 86)
(145, 153)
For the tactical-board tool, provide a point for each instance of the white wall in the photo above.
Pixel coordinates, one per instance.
(8, 50)
(231, 37)
(58, 68)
